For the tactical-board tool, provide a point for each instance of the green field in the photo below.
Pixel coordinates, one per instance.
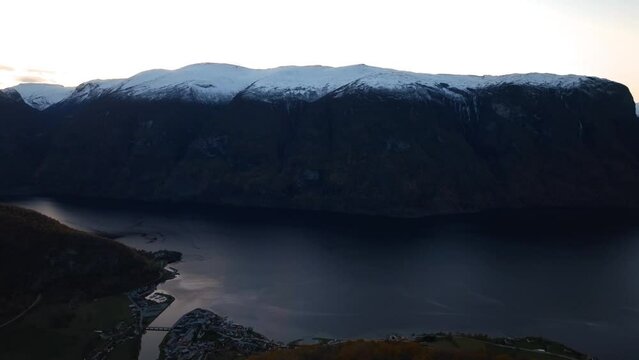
(67, 331)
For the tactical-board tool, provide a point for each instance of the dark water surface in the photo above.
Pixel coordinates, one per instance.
(571, 278)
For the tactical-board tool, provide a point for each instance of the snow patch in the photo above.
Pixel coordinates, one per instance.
(219, 83)
(305, 82)
(200, 82)
(94, 89)
(41, 96)
(392, 79)
(12, 95)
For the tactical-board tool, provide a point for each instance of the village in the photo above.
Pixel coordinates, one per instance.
(145, 304)
(201, 333)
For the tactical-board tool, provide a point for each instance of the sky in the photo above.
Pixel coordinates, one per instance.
(69, 42)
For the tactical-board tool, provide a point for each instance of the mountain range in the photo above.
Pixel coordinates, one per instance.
(355, 139)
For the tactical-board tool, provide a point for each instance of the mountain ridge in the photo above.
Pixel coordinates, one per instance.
(41, 96)
(220, 83)
(382, 145)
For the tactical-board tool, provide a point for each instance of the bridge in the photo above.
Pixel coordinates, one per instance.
(157, 328)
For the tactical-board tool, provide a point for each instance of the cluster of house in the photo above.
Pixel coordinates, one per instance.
(200, 333)
(157, 298)
(148, 303)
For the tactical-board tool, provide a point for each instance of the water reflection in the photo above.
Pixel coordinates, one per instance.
(575, 280)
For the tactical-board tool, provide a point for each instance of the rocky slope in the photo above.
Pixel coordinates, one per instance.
(354, 139)
(22, 141)
(202, 334)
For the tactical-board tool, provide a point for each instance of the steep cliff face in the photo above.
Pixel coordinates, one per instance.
(22, 141)
(371, 146)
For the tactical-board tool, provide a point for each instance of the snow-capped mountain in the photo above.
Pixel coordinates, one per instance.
(351, 139)
(10, 95)
(41, 96)
(219, 83)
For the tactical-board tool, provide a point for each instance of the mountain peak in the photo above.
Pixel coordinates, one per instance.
(219, 83)
(214, 83)
(41, 96)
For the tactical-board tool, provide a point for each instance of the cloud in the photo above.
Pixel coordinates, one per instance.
(31, 79)
(40, 71)
(6, 68)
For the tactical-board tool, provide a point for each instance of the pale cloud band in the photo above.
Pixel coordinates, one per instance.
(30, 79)
(489, 37)
(41, 71)
(10, 76)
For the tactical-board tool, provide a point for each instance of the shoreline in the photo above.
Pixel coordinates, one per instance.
(145, 305)
(198, 241)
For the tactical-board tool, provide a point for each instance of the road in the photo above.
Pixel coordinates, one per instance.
(35, 302)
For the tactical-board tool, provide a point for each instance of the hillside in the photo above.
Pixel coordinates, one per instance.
(41, 256)
(22, 141)
(355, 139)
(202, 334)
(443, 348)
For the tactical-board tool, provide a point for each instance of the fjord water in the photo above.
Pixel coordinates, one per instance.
(571, 278)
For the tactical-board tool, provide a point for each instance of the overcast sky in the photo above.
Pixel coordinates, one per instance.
(68, 41)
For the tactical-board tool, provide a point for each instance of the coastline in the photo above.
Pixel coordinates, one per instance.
(212, 250)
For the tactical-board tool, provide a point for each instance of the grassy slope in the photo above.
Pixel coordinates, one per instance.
(458, 348)
(81, 278)
(62, 330)
(40, 255)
